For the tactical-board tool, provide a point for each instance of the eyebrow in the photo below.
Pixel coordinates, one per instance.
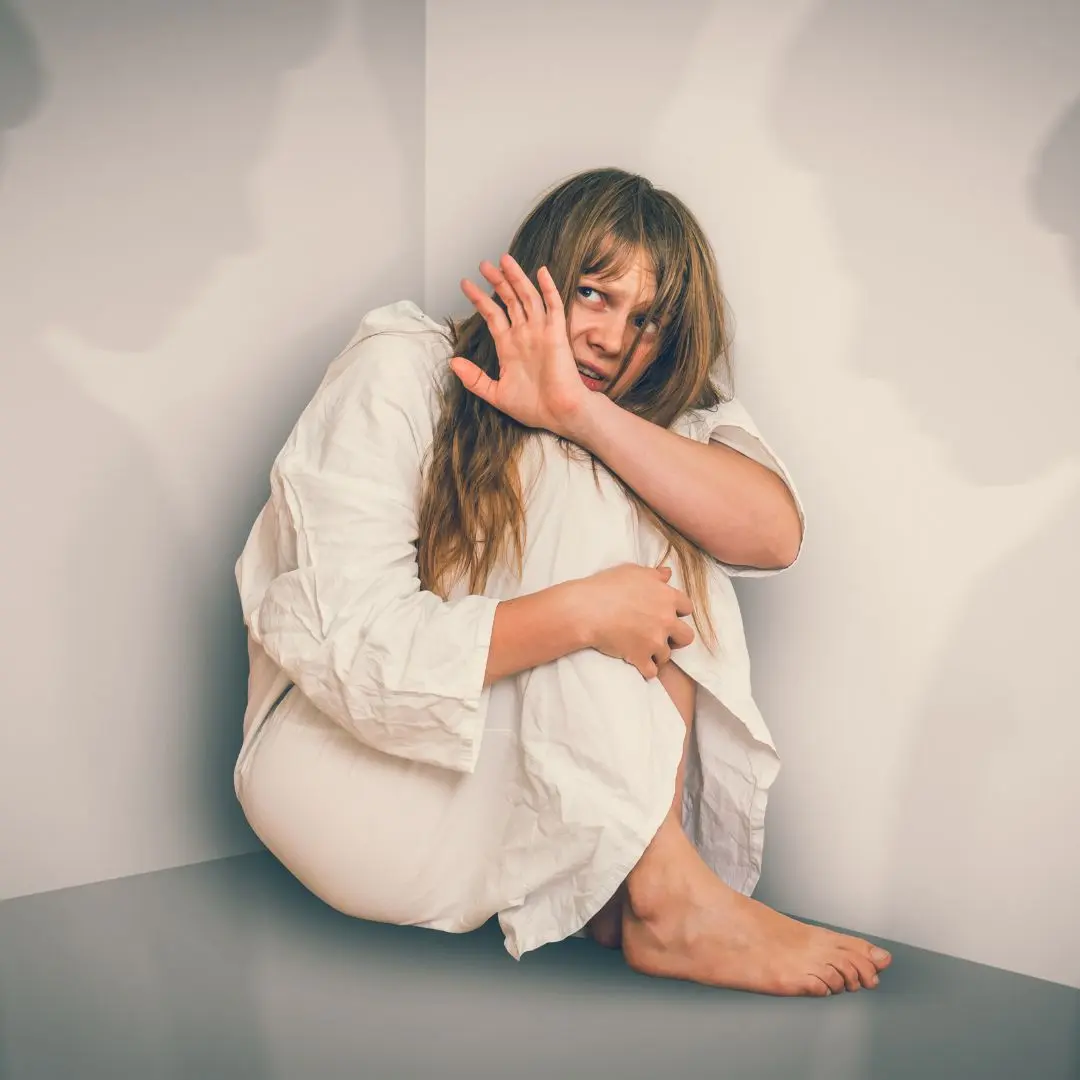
(604, 288)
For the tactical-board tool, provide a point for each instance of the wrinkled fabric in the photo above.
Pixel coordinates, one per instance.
(375, 761)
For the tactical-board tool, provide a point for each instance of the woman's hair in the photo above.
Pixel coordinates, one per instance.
(472, 508)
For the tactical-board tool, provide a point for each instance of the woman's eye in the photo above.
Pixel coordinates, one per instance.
(587, 292)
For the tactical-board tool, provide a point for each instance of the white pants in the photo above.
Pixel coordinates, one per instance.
(375, 836)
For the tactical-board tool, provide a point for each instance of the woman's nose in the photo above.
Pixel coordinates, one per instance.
(608, 333)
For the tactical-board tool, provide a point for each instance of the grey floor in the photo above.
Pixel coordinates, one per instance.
(231, 969)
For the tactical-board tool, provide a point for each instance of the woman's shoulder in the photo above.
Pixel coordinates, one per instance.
(400, 317)
(383, 386)
(397, 355)
(398, 336)
(701, 423)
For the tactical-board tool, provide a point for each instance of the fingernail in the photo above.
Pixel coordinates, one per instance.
(879, 956)
(874, 980)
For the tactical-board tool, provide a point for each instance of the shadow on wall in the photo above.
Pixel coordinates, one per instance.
(127, 662)
(918, 124)
(22, 82)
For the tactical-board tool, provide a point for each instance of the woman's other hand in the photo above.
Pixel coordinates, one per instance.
(633, 614)
(538, 383)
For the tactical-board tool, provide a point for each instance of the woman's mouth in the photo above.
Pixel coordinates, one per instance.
(591, 378)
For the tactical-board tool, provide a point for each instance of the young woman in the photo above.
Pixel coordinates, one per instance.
(476, 686)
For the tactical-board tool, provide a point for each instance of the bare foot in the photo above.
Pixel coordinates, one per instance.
(684, 923)
(605, 927)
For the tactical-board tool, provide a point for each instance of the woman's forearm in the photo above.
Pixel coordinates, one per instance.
(536, 629)
(732, 507)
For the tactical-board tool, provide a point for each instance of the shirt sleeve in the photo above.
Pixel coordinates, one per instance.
(345, 616)
(730, 423)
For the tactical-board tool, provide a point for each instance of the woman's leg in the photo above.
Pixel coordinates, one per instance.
(673, 917)
(679, 920)
(606, 926)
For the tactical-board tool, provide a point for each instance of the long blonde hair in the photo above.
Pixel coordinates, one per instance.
(472, 508)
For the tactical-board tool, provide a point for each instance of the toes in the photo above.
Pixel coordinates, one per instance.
(813, 987)
(867, 972)
(830, 977)
(877, 956)
(849, 972)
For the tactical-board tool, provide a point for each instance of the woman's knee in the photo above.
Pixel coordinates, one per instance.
(330, 814)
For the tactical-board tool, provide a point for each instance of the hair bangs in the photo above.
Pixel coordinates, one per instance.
(609, 255)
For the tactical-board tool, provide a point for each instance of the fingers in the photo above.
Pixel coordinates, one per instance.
(530, 299)
(651, 668)
(494, 316)
(647, 668)
(683, 604)
(681, 635)
(474, 380)
(552, 300)
(521, 306)
(517, 292)
(505, 291)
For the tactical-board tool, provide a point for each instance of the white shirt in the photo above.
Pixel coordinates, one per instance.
(332, 601)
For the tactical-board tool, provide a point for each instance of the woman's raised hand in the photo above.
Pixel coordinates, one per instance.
(633, 614)
(538, 383)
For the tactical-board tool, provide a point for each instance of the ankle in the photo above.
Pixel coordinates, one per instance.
(663, 875)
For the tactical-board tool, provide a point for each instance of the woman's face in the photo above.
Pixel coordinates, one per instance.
(605, 317)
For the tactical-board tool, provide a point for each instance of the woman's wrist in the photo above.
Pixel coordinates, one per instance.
(581, 612)
(538, 628)
(587, 424)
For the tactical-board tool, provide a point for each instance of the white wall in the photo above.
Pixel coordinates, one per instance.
(198, 201)
(894, 194)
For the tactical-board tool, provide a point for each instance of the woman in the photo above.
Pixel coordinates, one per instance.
(465, 594)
